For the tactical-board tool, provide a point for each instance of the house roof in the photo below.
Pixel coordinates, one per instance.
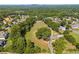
(2, 37)
(62, 28)
(75, 26)
(7, 19)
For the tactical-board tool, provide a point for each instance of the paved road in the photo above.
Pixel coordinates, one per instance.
(50, 46)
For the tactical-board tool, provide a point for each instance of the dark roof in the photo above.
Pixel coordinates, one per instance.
(2, 43)
(1, 19)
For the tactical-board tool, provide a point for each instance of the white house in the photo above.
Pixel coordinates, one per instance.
(69, 18)
(62, 28)
(1, 35)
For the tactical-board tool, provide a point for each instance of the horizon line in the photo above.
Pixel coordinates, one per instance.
(39, 4)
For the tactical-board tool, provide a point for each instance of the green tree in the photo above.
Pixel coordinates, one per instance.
(70, 38)
(43, 33)
(51, 24)
(77, 45)
(1, 49)
(19, 45)
(59, 45)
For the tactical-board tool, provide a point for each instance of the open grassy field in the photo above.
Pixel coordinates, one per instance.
(71, 48)
(76, 36)
(31, 35)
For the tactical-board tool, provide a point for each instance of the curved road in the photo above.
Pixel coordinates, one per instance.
(50, 46)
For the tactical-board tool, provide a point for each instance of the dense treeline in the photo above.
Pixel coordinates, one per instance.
(17, 36)
(44, 11)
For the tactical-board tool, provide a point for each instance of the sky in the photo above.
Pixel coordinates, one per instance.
(16, 2)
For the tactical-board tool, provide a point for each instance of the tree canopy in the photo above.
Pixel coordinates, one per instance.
(43, 33)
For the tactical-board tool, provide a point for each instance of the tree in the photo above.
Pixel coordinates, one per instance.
(17, 36)
(20, 45)
(66, 32)
(68, 26)
(63, 22)
(9, 45)
(30, 47)
(51, 24)
(77, 45)
(70, 38)
(37, 49)
(14, 30)
(43, 33)
(18, 42)
(59, 45)
(1, 49)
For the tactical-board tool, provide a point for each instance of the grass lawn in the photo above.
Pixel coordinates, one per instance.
(76, 36)
(31, 35)
(71, 48)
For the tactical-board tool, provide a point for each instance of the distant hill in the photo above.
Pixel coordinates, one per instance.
(40, 6)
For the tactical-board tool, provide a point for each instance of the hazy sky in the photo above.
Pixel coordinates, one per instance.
(39, 1)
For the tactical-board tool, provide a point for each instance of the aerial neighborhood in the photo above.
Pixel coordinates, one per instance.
(40, 29)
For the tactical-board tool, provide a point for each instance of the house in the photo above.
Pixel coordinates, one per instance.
(3, 37)
(25, 16)
(1, 19)
(74, 22)
(7, 20)
(75, 26)
(2, 43)
(62, 28)
(77, 20)
(54, 19)
(69, 18)
(4, 22)
(14, 22)
(49, 18)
